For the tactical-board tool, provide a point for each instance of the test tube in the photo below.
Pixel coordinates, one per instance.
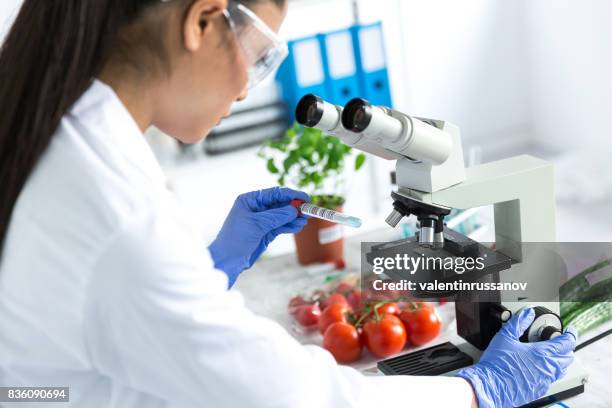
(326, 214)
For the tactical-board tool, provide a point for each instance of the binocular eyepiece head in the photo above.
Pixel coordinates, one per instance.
(377, 129)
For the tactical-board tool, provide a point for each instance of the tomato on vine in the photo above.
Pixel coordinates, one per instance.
(422, 323)
(384, 334)
(343, 341)
(334, 313)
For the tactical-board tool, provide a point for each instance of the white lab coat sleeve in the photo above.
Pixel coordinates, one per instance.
(158, 320)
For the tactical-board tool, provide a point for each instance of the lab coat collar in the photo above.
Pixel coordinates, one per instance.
(100, 109)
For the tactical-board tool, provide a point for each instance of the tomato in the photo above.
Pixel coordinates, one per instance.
(414, 305)
(337, 312)
(389, 308)
(318, 295)
(342, 340)
(308, 315)
(354, 299)
(428, 305)
(333, 299)
(361, 316)
(422, 324)
(383, 308)
(374, 296)
(294, 303)
(384, 336)
(343, 288)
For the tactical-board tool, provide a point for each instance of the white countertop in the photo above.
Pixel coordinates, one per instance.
(269, 285)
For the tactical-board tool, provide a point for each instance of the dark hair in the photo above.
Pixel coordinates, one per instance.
(49, 58)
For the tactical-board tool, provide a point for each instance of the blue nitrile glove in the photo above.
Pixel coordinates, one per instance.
(511, 373)
(254, 221)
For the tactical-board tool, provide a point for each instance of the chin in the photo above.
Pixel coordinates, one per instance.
(195, 137)
(190, 135)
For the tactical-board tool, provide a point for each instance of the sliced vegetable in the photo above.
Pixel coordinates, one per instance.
(587, 304)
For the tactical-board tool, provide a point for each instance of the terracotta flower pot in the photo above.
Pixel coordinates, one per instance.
(320, 241)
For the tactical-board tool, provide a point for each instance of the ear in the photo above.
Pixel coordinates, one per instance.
(197, 21)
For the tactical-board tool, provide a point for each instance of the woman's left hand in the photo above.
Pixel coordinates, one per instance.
(255, 220)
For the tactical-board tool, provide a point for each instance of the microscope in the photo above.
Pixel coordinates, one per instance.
(432, 180)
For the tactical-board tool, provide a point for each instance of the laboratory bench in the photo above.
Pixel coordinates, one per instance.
(268, 286)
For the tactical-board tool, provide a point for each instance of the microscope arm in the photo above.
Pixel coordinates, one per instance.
(521, 190)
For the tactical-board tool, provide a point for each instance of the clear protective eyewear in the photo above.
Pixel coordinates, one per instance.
(262, 48)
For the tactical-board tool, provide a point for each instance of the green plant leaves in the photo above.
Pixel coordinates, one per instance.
(272, 167)
(311, 160)
(359, 161)
(291, 133)
(332, 202)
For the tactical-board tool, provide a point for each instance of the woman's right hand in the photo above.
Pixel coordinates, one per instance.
(255, 220)
(511, 373)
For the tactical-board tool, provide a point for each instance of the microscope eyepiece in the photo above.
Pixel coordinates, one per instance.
(357, 115)
(310, 110)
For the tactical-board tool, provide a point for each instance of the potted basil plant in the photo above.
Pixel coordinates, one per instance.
(309, 160)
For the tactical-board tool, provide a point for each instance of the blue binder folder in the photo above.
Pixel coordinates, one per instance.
(337, 66)
(303, 72)
(371, 59)
(339, 57)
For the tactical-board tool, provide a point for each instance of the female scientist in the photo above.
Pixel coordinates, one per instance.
(104, 287)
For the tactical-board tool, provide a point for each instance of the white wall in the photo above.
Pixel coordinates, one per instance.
(571, 72)
(466, 64)
(463, 61)
(8, 10)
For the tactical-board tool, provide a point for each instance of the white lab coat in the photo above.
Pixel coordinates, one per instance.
(105, 289)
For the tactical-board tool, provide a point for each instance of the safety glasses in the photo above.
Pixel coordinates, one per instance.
(262, 48)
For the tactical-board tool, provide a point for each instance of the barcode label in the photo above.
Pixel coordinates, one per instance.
(318, 212)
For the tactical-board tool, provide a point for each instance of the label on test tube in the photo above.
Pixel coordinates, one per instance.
(326, 214)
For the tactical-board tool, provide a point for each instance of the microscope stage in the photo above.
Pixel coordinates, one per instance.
(456, 246)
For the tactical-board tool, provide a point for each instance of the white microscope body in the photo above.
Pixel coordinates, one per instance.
(430, 171)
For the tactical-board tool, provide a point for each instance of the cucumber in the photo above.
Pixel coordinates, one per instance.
(591, 318)
(584, 306)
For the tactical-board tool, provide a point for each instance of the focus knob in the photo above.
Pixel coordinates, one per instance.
(549, 333)
(546, 325)
(500, 313)
(394, 218)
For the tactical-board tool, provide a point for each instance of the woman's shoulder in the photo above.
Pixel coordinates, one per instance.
(83, 191)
